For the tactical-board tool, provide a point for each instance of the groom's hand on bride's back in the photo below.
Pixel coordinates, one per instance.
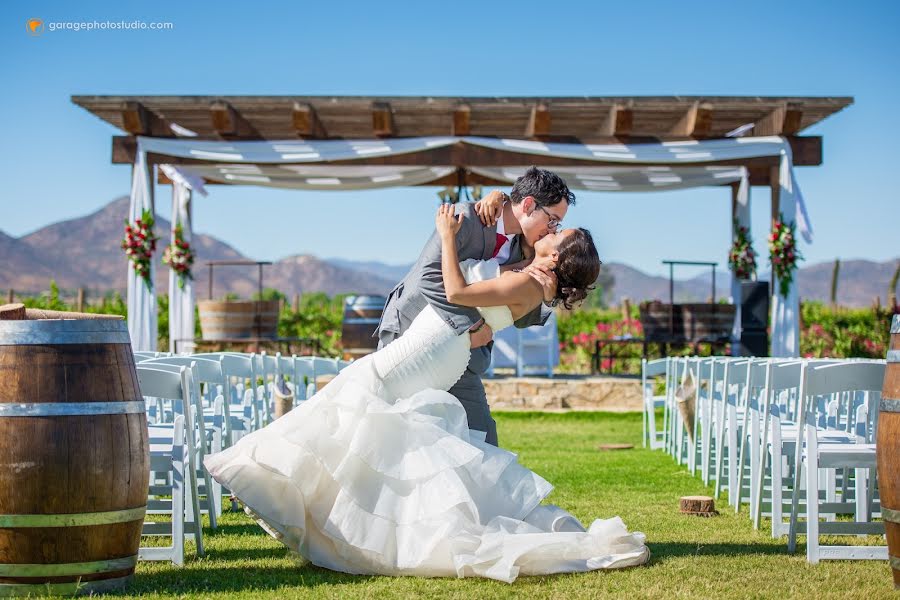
(480, 334)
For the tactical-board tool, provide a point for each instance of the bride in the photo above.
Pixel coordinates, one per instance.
(379, 473)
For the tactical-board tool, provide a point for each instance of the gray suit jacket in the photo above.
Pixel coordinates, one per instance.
(424, 284)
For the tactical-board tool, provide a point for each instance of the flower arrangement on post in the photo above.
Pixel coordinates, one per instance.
(179, 256)
(783, 253)
(139, 244)
(742, 258)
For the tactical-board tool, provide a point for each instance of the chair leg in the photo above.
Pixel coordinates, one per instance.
(777, 499)
(812, 512)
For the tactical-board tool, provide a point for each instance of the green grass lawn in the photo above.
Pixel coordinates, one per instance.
(692, 557)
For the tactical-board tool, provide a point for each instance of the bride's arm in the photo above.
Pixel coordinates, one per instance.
(515, 290)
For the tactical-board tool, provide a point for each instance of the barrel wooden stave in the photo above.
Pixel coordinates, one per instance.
(74, 467)
(222, 320)
(888, 451)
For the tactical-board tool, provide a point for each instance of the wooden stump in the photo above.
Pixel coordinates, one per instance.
(701, 506)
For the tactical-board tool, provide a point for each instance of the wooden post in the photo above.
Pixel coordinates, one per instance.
(11, 296)
(79, 301)
(296, 307)
(626, 309)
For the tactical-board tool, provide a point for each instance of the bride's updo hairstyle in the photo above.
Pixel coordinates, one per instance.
(577, 268)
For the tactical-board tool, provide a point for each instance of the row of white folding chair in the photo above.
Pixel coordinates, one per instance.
(172, 457)
(211, 421)
(750, 408)
(200, 436)
(779, 438)
(816, 452)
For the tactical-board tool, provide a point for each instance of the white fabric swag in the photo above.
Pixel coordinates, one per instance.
(141, 300)
(298, 165)
(181, 298)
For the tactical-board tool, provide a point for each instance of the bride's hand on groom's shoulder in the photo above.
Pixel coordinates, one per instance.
(490, 207)
(446, 222)
(541, 270)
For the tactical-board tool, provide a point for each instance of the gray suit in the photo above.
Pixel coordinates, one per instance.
(424, 284)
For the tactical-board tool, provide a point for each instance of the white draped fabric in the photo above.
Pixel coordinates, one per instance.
(742, 218)
(141, 300)
(786, 309)
(297, 164)
(181, 299)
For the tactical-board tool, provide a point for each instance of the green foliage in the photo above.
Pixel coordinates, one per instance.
(843, 332)
(269, 294)
(319, 317)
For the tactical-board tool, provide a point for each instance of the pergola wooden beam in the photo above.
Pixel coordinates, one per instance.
(696, 122)
(138, 120)
(538, 122)
(784, 119)
(462, 120)
(382, 119)
(619, 121)
(229, 124)
(306, 121)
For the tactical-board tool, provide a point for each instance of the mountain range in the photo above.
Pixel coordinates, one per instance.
(85, 252)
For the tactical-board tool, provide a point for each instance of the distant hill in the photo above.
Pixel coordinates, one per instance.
(85, 252)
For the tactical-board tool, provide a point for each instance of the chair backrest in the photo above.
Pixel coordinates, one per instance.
(858, 376)
(171, 382)
(208, 369)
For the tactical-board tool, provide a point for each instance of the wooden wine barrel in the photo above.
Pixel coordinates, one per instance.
(361, 317)
(238, 319)
(888, 450)
(74, 457)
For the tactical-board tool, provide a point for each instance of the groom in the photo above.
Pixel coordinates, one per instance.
(537, 204)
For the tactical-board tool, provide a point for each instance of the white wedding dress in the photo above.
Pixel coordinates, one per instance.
(379, 473)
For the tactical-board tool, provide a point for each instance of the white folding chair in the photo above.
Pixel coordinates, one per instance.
(844, 382)
(650, 370)
(320, 366)
(197, 439)
(171, 457)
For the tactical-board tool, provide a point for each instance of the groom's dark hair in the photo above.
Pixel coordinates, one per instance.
(547, 188)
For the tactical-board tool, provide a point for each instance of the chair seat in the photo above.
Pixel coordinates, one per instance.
(846, 455)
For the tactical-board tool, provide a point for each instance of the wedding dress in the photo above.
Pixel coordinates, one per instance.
(379, 473)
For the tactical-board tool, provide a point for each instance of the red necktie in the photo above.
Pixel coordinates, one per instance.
(501, 239)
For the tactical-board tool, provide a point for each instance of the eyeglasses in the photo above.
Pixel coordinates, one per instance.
(553, 221)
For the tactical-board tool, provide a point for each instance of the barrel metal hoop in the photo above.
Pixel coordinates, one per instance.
(74, 519)
(893, 356)
(68, 569)
(890, 514)
(60, 409)
(895, 324)
(890, 405)
(64, 331)
(63, 589)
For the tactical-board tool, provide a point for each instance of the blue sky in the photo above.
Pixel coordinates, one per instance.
(55, 157)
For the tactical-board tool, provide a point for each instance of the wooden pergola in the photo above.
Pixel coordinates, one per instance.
(590, 120)
(582, 121)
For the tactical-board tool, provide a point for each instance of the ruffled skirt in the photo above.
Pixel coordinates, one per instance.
(359, 483)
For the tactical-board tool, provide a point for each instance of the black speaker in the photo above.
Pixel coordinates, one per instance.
(754, 342)
(754, 305)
